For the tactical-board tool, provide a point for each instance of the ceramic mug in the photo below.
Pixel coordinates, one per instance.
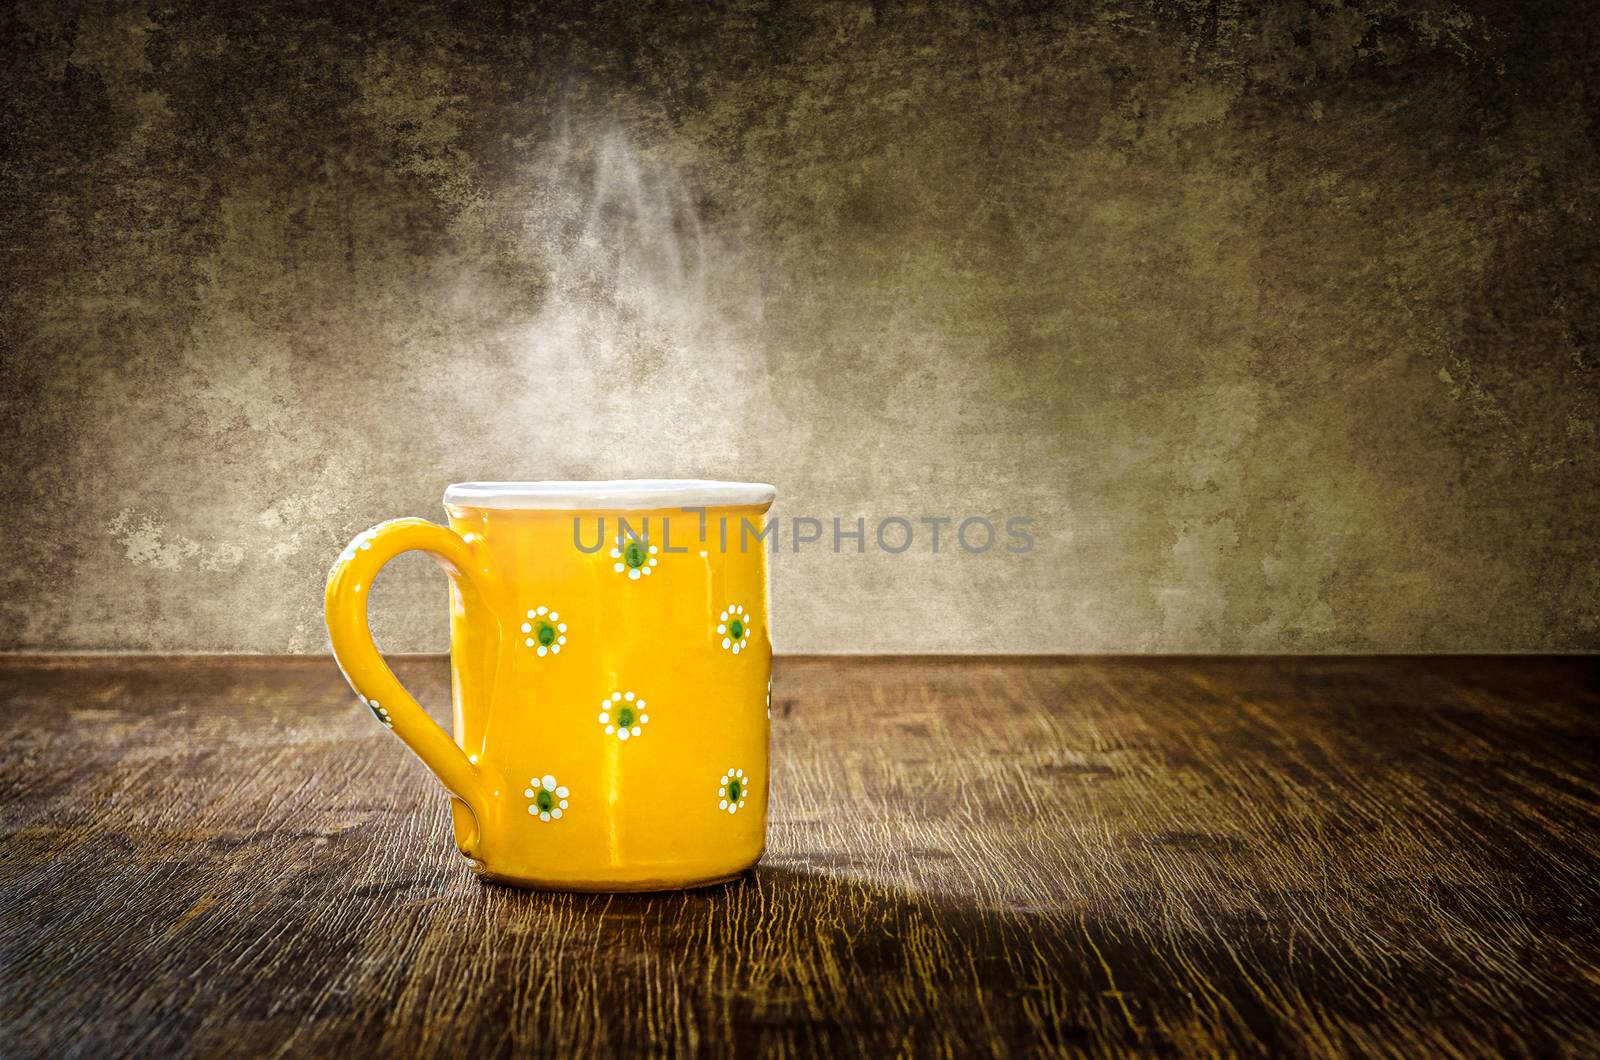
(611, 668)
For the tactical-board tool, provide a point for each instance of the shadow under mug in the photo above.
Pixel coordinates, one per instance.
(611, 668)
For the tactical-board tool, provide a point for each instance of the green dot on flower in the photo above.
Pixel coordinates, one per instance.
(634, 554)
(544, 800)
(625, 718)
(736, 629)
(547, 633)
(735, 789)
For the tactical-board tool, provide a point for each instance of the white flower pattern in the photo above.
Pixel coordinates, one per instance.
(732, 791)
(622, 714)
(544, 631)
(549, 799)
(733, 625)
(379, 712)
(633, 558)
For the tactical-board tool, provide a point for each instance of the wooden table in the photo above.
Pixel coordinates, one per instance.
(968, 857)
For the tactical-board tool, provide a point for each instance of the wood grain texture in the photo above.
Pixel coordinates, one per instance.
(967, 857)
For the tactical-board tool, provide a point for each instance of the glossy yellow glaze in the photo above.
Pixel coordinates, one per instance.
(648, 811)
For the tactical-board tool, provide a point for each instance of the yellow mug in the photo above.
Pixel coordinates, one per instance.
(611, 665)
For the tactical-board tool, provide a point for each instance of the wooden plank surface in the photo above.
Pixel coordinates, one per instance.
(967, 857)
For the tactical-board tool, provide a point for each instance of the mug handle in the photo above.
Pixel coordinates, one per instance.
(374, 683)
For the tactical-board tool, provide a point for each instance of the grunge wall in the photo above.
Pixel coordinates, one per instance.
(1280, 324)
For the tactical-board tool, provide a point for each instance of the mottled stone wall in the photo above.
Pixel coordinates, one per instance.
(1281, 326)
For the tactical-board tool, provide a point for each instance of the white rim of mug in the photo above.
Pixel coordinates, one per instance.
(630, 494)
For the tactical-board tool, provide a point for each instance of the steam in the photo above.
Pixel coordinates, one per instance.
(643, 357)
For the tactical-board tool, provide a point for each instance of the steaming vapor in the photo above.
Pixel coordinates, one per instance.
(637, 361)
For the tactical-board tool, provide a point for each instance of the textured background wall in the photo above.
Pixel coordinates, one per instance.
(1281, 326)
